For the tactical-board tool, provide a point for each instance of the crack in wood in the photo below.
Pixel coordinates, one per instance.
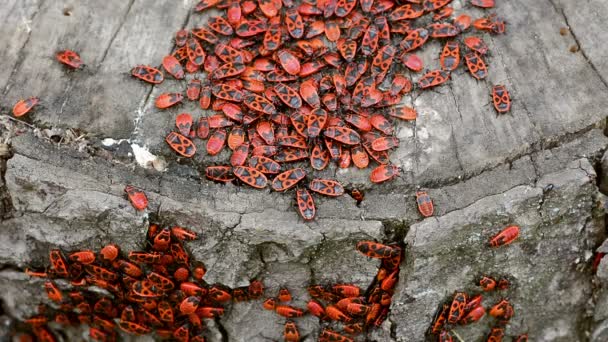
(589, 61)
(141, 109)
(513, 87)
(453, 138)
(6, 203)
(21, 53)
(115, 34)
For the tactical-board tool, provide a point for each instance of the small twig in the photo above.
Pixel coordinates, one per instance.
(8, 137)
(457, 336)
(19, 121)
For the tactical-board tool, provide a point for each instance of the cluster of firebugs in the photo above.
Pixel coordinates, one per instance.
(464, 309)
(317, 80)
(161, 290)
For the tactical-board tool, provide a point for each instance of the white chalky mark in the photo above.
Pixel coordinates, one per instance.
(143, 157)
(111, 142)
(26, 23)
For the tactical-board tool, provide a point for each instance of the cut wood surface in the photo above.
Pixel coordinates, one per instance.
(482, 170)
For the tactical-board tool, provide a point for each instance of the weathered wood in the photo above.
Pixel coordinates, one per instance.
(16, 17)
(587, 23)
(457, 133)
(482, 170)
(111, 37)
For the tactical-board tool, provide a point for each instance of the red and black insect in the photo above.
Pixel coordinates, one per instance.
(109, 253)
(473, 315)
(496, 334)
(250, 176)
(503, 284)
(317, 119)
(433, 78)
(443, 30)
(440, 319)
(193, 90)
(133, 328)
(425, 204)
(505, 237)
(309, 93)
(259, 104)
(385, 143)
(315, 308)
(433, 5)
(184, 122)
(288, 179)
(284, 295)
(23, 107)
(167, 100)
(343, 135)
(306, 204)
(265, 130)
(403, 113)
(457, 307)
(294, 23)
(361, 160)
(270, 304)
(487, 283)
(264, 165)
(477, 67)
(181, 144)
(450, 55)
(326, 187)
(216, 142)
(148, 74)
(289, 311)
(377, 250)
(369, 43)
(382, 62)
(172, 65)
(384, 173)
(443, 13)
(501, 99)
(160, 281)
(319, 157)
(53, 291)
(407, 11)
(415, 39)
(288, 95)
(347, 48)
(328, 335)
(476, 44)
(58, 263)
(503, 310)
(69, 58)
(336, 314)
(483, 3)
(237, 138)
(83, 257)
(181, 37)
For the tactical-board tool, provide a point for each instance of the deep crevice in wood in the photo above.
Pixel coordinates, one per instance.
(6, 203)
